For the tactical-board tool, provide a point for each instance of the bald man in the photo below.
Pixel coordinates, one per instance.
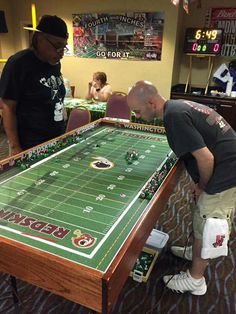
(206, 143)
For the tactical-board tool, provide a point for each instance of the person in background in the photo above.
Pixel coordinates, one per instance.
(98, 88)
(32, 88)
(206, 143)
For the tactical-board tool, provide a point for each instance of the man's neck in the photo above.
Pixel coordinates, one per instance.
(41, 58)
(161, 106)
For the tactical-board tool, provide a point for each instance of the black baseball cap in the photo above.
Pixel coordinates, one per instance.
(51, 24)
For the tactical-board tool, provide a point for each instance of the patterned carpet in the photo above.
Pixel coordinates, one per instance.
(151, 297)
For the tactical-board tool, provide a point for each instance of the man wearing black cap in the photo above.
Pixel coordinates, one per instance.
(32, 88)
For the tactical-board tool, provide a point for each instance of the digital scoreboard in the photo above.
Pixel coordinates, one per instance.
(203, 41)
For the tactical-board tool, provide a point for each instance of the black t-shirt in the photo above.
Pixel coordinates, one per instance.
(39, 91)
(191, 126)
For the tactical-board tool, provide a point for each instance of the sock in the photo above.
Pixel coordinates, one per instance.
(194, 279)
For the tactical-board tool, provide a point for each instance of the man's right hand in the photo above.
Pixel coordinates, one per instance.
(196, 192)
(15, 150)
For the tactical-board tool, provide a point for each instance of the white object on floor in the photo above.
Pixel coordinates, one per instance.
(157, 239)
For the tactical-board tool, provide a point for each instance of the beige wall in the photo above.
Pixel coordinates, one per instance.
(178, 48)
(172, 69)
(6, 39)
(196, 18)
(121, 74)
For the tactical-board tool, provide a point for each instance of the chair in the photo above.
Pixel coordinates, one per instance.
(72, 88)
(78, 117)
(117, 107)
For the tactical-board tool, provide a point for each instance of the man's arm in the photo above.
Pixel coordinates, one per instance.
(205, 163)
(10, 125)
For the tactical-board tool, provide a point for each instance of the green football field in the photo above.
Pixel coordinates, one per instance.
(82, 202)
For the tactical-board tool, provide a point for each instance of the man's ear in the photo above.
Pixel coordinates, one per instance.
(151, 104)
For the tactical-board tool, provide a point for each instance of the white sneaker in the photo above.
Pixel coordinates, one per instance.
(182, 252)
(184, 282)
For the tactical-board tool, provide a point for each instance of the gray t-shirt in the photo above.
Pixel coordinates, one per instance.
(191, 126)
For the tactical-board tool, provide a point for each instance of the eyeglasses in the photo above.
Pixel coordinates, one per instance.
(58, 50)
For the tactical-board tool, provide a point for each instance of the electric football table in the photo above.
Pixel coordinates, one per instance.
(75, 212)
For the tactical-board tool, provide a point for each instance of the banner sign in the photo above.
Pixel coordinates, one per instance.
(224, 18)
(127, 36)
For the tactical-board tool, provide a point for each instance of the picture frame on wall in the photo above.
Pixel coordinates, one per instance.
(127, 36)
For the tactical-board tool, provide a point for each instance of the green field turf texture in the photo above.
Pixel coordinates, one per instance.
(66, 191)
